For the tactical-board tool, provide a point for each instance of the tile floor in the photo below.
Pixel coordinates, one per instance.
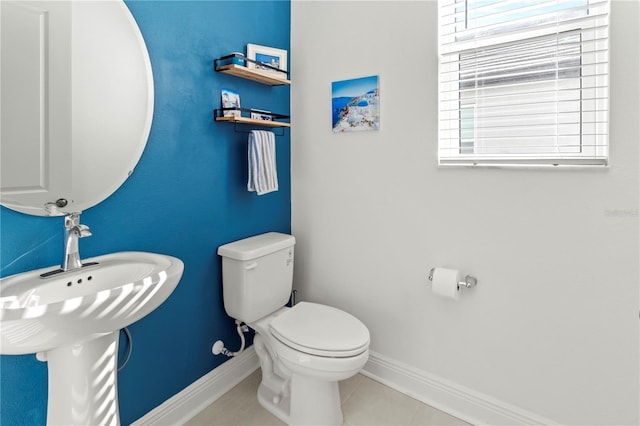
(364, 402)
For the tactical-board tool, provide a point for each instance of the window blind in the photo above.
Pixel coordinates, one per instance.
(523, 82)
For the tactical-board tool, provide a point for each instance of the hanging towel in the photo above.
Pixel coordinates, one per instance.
(263, 176)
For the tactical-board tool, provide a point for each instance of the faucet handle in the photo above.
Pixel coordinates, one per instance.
(72, 224)
(83, 231)
(71, 220)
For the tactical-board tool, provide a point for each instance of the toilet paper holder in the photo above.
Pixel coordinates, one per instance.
(469, 280)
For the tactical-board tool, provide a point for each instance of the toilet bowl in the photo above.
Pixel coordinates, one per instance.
(303, 350)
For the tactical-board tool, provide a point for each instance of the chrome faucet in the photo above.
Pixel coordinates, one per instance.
(72, 231)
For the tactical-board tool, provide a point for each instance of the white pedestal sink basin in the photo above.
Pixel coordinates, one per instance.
(72, 320)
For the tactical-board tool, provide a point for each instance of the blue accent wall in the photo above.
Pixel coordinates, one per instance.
(186, 197)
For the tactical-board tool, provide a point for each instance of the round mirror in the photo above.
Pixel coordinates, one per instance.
(76, 103)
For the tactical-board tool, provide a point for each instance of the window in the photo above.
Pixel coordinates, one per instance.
(523, 82)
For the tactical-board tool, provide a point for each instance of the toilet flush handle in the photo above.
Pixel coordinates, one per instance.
(251, 266)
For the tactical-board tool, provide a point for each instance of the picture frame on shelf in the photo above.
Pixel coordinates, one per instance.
(230, 99)
(258, 114)
(276, 58)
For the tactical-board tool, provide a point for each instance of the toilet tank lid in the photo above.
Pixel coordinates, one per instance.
(256, 246)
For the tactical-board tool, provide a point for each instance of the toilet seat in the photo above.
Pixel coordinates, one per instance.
(321, 330)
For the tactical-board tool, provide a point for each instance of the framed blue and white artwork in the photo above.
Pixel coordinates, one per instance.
(276, 58)
(355, 104)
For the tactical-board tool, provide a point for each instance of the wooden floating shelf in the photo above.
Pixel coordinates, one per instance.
(263, 77)
(253, 121)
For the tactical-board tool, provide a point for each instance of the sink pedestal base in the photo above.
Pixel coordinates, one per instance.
(83, 386)
(72, 321)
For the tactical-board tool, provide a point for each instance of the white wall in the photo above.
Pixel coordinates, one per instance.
(553, 325)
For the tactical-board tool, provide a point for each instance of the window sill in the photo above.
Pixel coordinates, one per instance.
(591, 164)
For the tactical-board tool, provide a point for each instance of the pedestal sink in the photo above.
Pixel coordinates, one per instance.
(72, 321)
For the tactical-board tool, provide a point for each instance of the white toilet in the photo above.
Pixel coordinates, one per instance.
(304, 350)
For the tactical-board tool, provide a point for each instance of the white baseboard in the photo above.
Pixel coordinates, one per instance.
(452, 398)
(201, 393)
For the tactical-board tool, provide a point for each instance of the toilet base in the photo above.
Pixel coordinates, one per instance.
(311, 402)
(298, 388)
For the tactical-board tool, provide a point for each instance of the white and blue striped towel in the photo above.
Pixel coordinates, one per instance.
(263, 176)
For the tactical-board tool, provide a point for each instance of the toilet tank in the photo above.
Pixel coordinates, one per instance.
(257, 275)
